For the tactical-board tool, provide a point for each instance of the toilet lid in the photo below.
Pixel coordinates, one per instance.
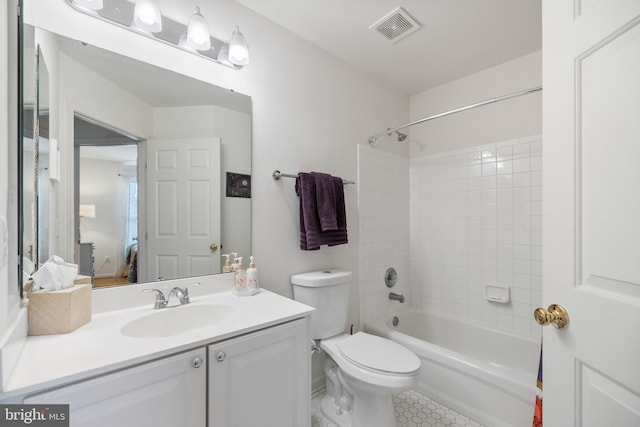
(380, 354)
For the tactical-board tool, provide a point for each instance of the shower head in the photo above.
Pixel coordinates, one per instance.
(401, 136)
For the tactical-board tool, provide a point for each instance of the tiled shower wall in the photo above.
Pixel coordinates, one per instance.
(476, 220)
(383, 205)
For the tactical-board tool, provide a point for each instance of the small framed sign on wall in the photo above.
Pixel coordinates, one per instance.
(238, 185)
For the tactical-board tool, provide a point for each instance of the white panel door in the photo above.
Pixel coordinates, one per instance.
(591, 242)
(183, 213)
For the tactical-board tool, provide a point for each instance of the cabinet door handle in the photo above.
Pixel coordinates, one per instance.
(197, 362)
(221, 356)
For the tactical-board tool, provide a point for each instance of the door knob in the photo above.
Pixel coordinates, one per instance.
(555, 314)
(213, 246)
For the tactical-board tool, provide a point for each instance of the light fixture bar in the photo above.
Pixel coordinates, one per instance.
(120, 13)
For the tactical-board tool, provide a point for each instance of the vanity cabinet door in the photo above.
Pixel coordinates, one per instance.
(166, 393)
(261, 379)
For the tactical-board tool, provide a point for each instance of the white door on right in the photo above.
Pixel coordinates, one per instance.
(591, 241)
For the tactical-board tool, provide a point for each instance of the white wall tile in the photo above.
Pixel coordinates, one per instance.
(480, 233)
(451, 223)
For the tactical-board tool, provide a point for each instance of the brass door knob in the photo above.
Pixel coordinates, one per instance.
(213, 246)
(555, 314)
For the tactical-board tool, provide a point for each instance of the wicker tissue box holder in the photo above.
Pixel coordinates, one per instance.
(59, 312)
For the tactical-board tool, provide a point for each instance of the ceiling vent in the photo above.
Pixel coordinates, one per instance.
(396, 25)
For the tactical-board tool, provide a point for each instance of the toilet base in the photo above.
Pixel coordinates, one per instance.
(371, 409)
(377, 411)
(330, 411)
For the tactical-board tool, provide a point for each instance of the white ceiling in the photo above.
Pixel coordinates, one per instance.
(457, 38)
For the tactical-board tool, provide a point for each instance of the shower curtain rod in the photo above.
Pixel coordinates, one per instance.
(389, 131)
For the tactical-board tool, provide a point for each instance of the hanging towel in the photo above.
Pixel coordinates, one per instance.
(537, 411)
(311, 234)
(326, 200)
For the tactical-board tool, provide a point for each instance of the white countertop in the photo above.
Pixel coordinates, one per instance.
(99, 347)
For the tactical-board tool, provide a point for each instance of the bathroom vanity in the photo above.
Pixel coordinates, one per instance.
(132, 365)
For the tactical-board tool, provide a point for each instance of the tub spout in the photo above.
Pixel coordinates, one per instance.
(396, 297)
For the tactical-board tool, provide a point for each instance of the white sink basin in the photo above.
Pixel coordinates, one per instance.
(170, 321)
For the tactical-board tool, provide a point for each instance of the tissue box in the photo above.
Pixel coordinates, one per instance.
(59, 312)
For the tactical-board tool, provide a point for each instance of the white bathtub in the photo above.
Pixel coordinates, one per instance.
(484, 374)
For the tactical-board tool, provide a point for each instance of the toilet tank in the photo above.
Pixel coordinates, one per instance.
(328, 292)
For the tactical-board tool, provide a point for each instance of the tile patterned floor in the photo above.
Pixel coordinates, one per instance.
(412, 409)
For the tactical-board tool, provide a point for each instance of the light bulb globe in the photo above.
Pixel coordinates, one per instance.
(238, 49)
(198, 32)
(147, 16)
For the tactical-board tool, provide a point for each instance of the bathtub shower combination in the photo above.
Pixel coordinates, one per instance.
(485, 374)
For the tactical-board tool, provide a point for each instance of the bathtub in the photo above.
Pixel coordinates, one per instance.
(484, 374)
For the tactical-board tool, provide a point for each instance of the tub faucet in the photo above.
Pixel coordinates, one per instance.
(396, 297)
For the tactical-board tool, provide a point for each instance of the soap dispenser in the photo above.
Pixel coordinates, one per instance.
(240, 283)
(227, 268)
(252, 276)
(234, 264)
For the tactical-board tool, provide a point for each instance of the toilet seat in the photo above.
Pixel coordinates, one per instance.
(379, 354)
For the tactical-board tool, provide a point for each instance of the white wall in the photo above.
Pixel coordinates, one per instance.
(488, 124)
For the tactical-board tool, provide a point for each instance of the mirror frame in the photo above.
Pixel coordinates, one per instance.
(20, 144)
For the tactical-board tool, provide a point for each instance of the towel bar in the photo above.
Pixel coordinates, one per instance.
(277, 175)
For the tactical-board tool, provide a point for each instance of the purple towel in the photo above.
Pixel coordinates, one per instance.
(311, 234)
(326, 200)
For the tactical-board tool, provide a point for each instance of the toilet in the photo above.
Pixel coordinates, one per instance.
(362, 371)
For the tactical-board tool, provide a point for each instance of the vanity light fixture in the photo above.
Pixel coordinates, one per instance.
(198, 32)
(144, 17)
(223, 55)
(238, 48)
(91, 5)
(147, 16)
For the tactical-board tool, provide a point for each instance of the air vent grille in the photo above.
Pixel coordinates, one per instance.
(396, 25)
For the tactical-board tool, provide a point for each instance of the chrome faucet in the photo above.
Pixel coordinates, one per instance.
(161, 301)
(182, 293)
(396, 297)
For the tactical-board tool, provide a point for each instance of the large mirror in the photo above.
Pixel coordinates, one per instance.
(144, 174)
